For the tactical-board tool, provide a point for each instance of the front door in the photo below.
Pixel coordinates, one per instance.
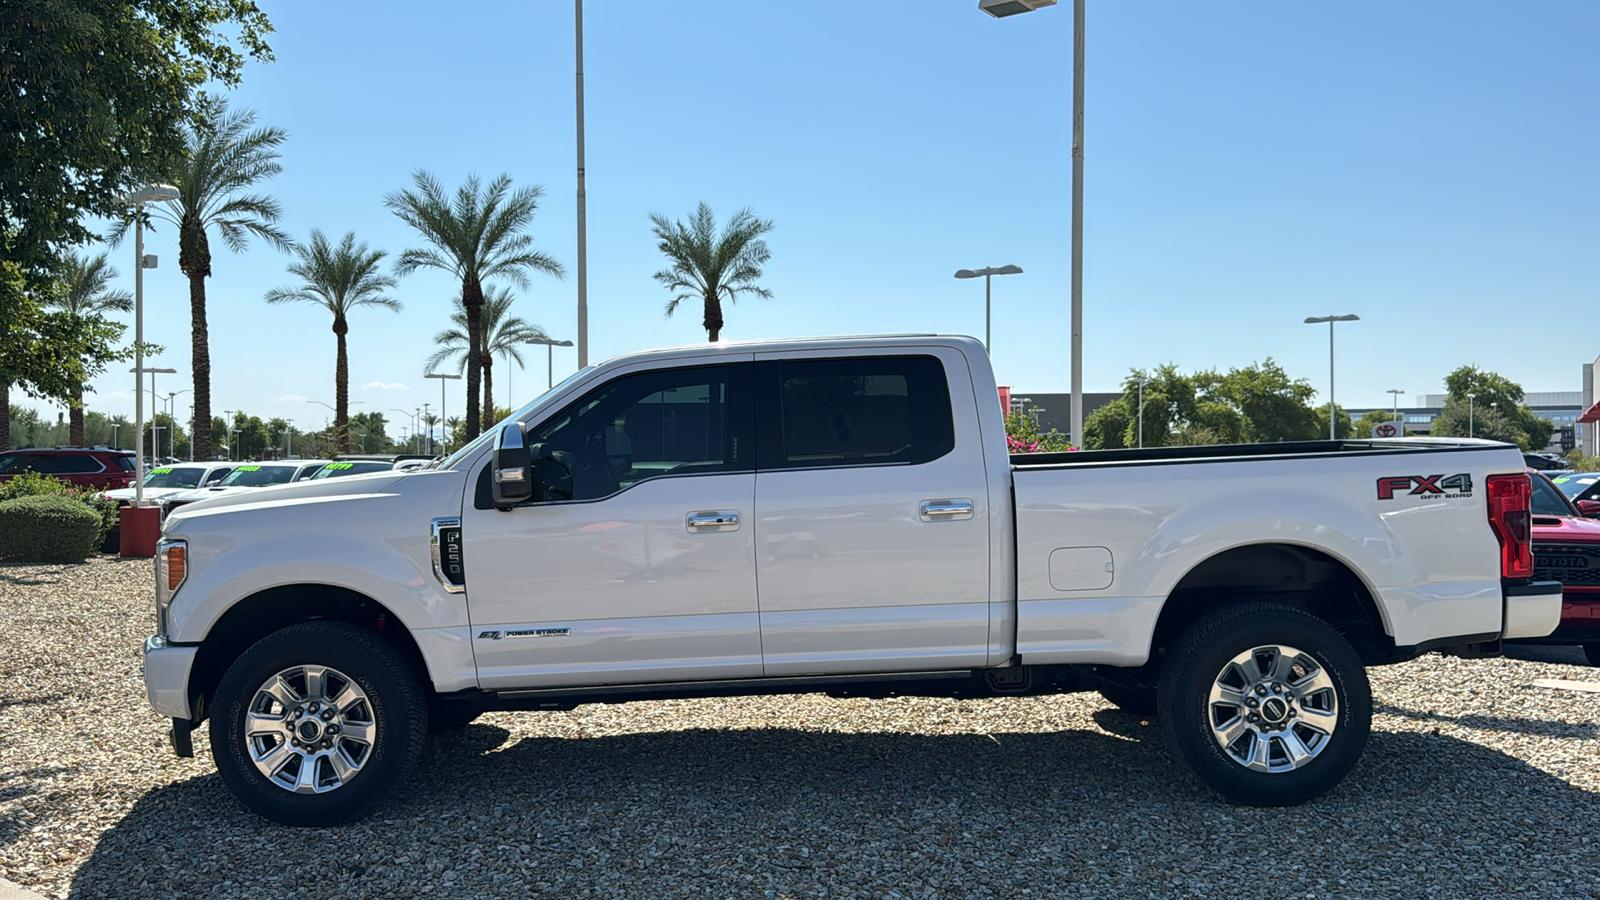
(639, 564)
(872, 528)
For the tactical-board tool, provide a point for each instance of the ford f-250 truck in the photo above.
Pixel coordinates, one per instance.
(836, 516)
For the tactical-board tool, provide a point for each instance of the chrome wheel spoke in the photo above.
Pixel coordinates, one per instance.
(316, 683)
(349, 696)
(1282, 665)
(343, 766)
(257, 724)
(1317, 720)
(1296, 748)
(281, 691)
(1260, 750)
(1314, 682)
(307, 782)
(272, 761)
(1229, 733)
(363, 732)
(1222, 695)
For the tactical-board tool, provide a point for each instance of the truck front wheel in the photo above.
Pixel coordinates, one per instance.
(316, 723)
(1268, 705)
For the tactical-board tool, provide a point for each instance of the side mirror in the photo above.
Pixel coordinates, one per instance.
(511, 481)
(1589, 508)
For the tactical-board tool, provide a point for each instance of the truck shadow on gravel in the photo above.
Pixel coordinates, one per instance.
(742, 811)
(1514, 724)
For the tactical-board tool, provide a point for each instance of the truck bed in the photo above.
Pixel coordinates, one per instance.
(1226, 452)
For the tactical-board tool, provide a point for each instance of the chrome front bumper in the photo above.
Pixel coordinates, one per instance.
(1532, 610)
(166, 676)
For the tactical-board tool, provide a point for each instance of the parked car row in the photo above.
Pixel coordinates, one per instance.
(91, 467)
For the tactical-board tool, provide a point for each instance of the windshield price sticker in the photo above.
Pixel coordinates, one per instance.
(159, 471)
(248, 469)
(338, 465)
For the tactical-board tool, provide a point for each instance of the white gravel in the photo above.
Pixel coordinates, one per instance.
(1476, 784)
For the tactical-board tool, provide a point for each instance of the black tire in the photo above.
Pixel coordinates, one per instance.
(1592, 651)
(1203, 656)
(396, 711)
(1139, 702)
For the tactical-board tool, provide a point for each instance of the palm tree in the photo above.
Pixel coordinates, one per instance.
(710, 267)
(223, 157)
(339, 279)
(85, 291)
(476, 237)
(497, 334)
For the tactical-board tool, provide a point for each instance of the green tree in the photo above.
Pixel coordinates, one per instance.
(339, 279)
(711, 267)
(499, 333)
(223, 157)
(375, 427)
(1495, 411)
(476, 237)
(86, 293)
(95, 94)
(1344, 428)
(1271, 405)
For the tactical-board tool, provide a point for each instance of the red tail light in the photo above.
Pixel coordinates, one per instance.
(1509, 500)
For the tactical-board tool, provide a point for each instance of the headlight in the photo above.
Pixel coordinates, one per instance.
(172, 567)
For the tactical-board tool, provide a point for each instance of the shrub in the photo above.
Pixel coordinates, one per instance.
(34, 484)
(49, 528)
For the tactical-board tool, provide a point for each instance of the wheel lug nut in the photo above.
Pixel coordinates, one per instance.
(1261, 690)
(1252, 702)
(315, 706)
(327, 714)
(333, 729)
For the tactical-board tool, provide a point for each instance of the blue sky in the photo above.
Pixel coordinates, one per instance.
(1428, 165)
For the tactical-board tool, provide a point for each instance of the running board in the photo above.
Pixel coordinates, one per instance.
(788, 684)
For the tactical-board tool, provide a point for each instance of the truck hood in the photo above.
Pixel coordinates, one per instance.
(218, 498)
(1565, 530)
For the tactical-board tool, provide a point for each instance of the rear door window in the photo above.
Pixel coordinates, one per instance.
(861, 411)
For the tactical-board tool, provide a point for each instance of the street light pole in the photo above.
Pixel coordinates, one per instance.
(550, 357)
(137, 199)
(583, 199)
(444, 420)
(987, 275)
(1470, 397)
(1318, 320)
(1395, 417)
(1142, 383)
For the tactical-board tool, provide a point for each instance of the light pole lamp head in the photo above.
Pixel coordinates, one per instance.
(150, 193)
(1003, 8)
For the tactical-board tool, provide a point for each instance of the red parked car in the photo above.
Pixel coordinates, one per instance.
(90, 467)
(1566, 548)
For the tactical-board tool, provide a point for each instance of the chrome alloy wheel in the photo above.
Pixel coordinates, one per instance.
(310, 729)
(1272, 709)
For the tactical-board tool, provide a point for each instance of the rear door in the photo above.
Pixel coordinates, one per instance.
(872, 509)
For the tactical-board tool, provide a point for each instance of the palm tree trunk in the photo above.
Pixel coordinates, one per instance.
(713, 318)
(341, 390)
(5, 415)
(75, 417)
(201, 363)
(488, 391)
(472, 302)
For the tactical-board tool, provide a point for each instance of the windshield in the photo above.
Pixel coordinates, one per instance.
(1547, 501)
(175, 477)
(472, 449)
(336, 469)
(1573, 485)
(259, 476)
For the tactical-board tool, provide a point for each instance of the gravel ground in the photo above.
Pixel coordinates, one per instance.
(1475, 784)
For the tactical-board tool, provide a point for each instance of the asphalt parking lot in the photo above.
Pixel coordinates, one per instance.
(1476, 784)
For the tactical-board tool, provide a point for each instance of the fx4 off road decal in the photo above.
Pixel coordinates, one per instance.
(1428, 487)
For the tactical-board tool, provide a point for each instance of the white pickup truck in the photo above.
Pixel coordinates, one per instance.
(836, 516)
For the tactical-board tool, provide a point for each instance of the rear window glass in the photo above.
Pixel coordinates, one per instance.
(125, 463)
(862, 411)
(259, 476)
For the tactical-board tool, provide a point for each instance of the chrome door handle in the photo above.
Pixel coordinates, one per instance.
(937, 510)
(713, 520)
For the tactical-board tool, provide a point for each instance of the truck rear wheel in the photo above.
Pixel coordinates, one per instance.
(1268, 705)
(316, 723)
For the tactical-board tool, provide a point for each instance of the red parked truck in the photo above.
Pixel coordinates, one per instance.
(1566, 548)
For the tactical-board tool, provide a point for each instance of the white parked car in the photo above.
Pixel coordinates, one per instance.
(246, 477)
(834, 516)
(165, 481)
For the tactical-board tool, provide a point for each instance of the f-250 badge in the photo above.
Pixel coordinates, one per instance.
(1429, 487)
